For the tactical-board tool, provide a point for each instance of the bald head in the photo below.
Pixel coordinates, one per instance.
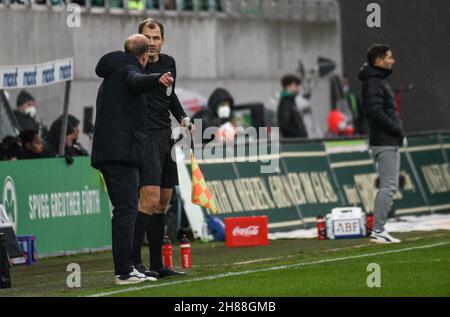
(138, 46)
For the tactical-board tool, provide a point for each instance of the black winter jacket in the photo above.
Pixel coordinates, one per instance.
(25, 121)
(385, 126)
(290, 120)
(119, 132)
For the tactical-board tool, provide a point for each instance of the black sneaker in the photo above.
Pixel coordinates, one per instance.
(169, 272)
(142, 269)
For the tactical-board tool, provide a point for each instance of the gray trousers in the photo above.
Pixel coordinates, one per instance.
(387, 159)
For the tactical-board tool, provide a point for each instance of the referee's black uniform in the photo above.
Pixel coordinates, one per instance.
(159, 168)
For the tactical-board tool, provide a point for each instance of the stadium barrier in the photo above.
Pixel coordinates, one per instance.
(67, 207)
(316, 176)
(324, 11)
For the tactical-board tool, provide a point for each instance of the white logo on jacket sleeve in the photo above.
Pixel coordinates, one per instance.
(169, 91)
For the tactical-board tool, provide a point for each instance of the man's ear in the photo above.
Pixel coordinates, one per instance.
(145, 58)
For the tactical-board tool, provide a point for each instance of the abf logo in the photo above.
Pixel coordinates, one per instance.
(9, 200)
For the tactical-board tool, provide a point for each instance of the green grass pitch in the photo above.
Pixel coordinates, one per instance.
(420, 266)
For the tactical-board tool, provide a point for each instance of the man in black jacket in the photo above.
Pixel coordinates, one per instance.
(290, 120)
(118, 143)
(385, 132)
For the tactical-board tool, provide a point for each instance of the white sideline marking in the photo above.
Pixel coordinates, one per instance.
(274, 268)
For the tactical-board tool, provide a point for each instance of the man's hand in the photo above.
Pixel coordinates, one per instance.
(186, 123)
(166, 79)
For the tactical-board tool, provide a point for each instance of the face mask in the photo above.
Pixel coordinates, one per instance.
(224, 112)
(31, 111)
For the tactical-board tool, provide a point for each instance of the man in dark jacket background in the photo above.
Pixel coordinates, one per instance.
(385, 132)
(118, 142)
(290, 120)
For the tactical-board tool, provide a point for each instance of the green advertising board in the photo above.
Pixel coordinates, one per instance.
(290, 185)
(356, 173)
(445, 142)
(309, 179)
(411, 199)
(65, 206)
(429, 160)
(245, 182)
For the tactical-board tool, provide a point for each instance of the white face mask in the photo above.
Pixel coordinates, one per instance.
(31, 111)
(224, 112)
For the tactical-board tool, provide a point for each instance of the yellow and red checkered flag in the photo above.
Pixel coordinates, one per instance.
(200, 193)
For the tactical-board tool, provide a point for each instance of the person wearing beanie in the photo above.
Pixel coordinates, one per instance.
(26, 112)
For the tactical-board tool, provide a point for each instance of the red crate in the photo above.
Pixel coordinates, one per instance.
(246, 231)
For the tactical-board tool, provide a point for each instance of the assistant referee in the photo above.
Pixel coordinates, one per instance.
(159, 174)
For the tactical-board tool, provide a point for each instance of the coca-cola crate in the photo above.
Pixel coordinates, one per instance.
(246, 231)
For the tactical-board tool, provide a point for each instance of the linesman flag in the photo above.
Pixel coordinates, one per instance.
(200, 193)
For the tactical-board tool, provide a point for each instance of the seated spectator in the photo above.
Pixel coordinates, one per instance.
(32, 145)
(218, 114)
(77, 149)
(136, 5)
(73, 147)
(26, 112)
(12, 148)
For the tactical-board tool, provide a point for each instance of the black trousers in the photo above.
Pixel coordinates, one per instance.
(122, 182)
